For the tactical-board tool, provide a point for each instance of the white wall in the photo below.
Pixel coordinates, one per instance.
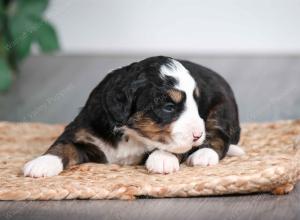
(177, 26)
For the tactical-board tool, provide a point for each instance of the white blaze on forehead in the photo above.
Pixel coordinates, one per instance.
(189, 120)
(186, 82)
(175, 69)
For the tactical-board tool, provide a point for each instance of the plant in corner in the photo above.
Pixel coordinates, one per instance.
(21, 25)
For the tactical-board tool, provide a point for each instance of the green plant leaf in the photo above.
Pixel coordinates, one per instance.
(32, 7)
(21, 28)
(6, 77)
(2, 14)
(46, 37)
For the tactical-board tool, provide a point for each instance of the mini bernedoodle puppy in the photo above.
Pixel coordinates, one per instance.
(159, 112)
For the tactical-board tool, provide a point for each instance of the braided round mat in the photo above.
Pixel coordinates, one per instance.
(271, 164)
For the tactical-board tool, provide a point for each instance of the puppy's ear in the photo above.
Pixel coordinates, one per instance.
(121, 96)
(118, 104)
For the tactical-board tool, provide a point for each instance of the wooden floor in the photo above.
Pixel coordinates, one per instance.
(261, 206)
(52, 89)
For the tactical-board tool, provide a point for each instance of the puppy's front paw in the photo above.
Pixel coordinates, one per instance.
(203, 157)
(43, 166)
(162, 162)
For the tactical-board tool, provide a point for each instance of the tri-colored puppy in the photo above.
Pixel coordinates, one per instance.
(159, 111)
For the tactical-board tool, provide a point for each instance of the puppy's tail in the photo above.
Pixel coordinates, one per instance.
(235, 151)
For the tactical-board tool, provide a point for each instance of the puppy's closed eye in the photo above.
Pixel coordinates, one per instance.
(169, 107)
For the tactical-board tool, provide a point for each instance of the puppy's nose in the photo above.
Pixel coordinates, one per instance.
(196, 135)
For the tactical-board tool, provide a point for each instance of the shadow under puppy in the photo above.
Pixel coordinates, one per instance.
(158, 112)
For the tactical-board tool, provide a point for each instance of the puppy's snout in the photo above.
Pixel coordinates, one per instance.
(197, 135)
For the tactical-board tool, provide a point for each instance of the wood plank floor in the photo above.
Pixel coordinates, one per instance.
(52, 89)
(259, 206)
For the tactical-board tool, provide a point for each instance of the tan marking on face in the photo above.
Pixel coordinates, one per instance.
(150, 129)
(175, 95)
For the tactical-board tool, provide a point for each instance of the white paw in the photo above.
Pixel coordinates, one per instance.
(203, 157)
(46, 165)
(235, 150)
(162, 162)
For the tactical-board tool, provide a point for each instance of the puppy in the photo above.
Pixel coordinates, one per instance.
(159, 112)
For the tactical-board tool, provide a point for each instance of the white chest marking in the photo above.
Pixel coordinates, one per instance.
(126, 153)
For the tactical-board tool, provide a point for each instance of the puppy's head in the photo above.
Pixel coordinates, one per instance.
(155, 104)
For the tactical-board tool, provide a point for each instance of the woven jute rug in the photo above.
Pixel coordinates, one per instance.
(271, 164)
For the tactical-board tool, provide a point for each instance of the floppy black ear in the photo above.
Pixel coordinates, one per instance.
(110, 103)
(120, 96)
(118, 104)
